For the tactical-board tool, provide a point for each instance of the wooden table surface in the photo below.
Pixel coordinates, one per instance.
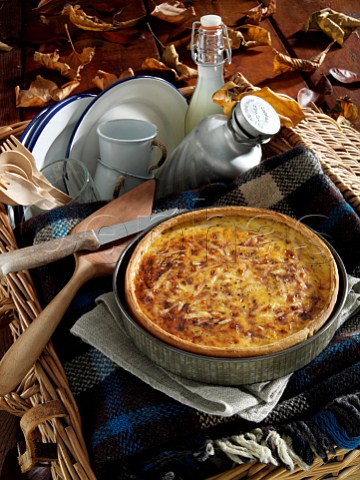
(22, 29)
(128, 48)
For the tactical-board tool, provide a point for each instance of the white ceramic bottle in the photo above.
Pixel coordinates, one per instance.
(219, 148)
(209, 53)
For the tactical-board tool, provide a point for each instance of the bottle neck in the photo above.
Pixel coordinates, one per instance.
(209, 47)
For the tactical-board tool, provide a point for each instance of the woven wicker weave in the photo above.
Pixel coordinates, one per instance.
(43, 400)
(337, 149)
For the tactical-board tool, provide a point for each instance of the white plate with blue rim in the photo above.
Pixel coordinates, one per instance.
(31, 127)
(50, 138)
(144, 98)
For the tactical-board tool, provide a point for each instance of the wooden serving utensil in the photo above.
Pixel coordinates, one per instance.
(24, 352)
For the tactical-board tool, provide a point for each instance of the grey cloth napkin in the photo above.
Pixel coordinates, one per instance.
(103, 329)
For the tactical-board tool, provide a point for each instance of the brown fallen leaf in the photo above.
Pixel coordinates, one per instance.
(344, 76)
(173, 12)
(251, 36)
(335, 25)
(170, 62)
(4, 47)
(171, 58)
(103, 79)
(288, 109)
(42, 92)
(69, 66)
(284, 63)
(118, 23)
(259, 13)
(86, 22)
(344, 111)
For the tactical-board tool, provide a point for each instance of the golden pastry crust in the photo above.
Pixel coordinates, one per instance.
(231, 282)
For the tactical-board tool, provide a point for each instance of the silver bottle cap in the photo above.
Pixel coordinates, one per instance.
(255, 119)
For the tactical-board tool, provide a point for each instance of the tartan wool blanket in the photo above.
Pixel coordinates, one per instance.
(136, 432)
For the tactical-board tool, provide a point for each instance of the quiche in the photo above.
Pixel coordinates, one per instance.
(231, 282)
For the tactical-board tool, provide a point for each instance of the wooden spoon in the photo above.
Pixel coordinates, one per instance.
(24, 352)
(23, 191)
(10, 167)
(19, 159)
(16, 158)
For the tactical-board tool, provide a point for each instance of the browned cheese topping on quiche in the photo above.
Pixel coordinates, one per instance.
(246, 282)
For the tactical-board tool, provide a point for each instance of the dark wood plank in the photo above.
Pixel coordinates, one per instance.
(114, 54)
(114, 51)
(288, 21)
(255, 63)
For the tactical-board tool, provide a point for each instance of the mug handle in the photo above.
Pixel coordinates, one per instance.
(163, 149)
(118, 186)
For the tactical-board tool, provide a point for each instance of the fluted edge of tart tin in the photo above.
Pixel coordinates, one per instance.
(225, 371)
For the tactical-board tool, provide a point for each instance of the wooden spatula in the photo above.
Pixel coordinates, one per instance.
(21, 356)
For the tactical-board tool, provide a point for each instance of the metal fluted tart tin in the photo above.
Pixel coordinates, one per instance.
(225, 371)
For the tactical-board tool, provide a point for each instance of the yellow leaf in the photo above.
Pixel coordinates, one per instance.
(289, 110)
(284, 63)
(256, 36)
(236, 38)
(345, 111)
(253, 36)
(335, 25)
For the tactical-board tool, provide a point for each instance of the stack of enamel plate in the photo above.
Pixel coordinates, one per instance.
(48, 134)
(67, 129)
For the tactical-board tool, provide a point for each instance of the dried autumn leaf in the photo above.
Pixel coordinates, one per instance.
(257, 14)
(171, 58)
(155, 64)
(253, 36)
(335, 25)
(256, 36)
(104, 79)
(236, 38)
(43, 91)
(117, 23)
(344, 76)
(4, 47)
(289, 110)
(345, 111)
(86, 22)
(173, 12)
(69, 66)
(170, 62)
(284, 63)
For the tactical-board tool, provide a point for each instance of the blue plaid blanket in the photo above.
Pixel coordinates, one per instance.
(135, 432)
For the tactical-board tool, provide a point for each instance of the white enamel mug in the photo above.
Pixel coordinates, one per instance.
(126, 155)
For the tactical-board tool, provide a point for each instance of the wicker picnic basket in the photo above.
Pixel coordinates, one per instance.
(48, 413)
